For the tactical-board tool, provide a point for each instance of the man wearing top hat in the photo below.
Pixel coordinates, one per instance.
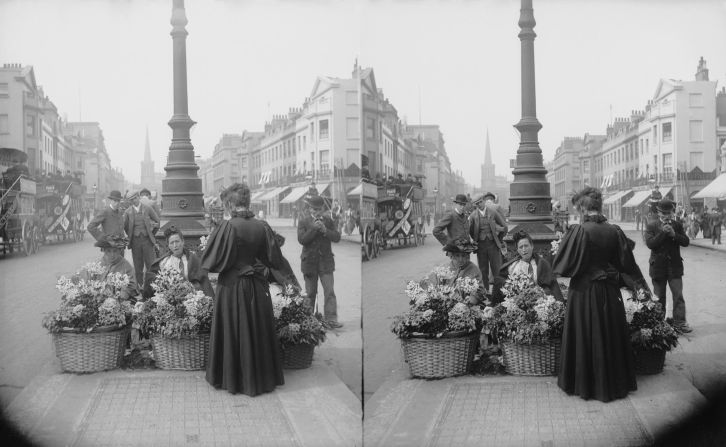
(487, 228)
(109, 221)
(315, 232)
(454, 225)
(665, 237)
(140, 224)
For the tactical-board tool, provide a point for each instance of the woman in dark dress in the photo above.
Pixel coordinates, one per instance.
(243, 346)
(597, 359)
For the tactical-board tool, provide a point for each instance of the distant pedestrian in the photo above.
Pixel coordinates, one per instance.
(637, 219)
(665, 237)
(716, 222)
(294, 216)
(145, 197)
(454, 225)
(706, 223)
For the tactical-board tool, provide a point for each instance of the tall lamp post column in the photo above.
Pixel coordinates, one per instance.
(530, 201)
(182, 196)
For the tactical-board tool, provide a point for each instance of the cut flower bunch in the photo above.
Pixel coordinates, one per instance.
(295, 322)
(90, 299)
(527, 315)
(439, 304)
(645, 316)
(177, 309)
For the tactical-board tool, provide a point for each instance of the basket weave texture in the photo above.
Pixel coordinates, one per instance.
(86, 352)
(185, 353)
(299, 356)
(532, 360)
(649, 361)
(436, 358)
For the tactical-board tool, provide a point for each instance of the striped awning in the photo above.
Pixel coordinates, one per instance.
(295, 194)
(274, 193)
(357, 191)
(638, 198)
(615, 197)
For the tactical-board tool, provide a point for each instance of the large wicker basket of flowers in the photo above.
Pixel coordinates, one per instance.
(90, 328)
(178, 320)
(439, 332)
(299, 329)
(528, 324)
(650, 335)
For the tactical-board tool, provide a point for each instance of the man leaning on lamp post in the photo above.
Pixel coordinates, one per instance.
(487, 228)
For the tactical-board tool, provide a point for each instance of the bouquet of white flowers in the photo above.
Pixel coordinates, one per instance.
(90, 299)
(438, 304)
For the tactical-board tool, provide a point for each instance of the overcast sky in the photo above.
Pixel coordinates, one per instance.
(111, 62)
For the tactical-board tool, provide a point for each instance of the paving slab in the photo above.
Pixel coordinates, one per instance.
(524, 411)
(171, 408)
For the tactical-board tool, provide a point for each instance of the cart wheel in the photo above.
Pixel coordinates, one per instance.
(37, 238)
(26, 244)
(376, 243)
(365, 246)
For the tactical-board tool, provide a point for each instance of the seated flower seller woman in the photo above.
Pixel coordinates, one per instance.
(185, 261)
(526, 261)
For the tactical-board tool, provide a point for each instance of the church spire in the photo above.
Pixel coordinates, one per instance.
(488, 152)
(147, 150)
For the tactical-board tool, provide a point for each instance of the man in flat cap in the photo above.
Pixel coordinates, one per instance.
(454, 224)
(140, 224)
(315, 232)
(487, 228)
(665, 237)
(109, 221)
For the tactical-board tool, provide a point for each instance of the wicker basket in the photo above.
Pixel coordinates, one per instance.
(436, 358)
(85, 352)
(297, 356)
(649, 361)
(185, 353)
(532, 360)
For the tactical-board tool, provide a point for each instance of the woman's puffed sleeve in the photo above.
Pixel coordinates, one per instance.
(572, 253)
(220, 253)
(629, 269)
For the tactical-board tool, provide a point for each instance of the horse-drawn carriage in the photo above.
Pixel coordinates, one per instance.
(19, 229)
(59, 204)
(369, 223)
(400, 209)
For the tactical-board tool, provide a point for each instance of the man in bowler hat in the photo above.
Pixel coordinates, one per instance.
(108, 221)
(665, 237)
(315, 232)
(141, 223)
(487, 228)
(454, 225)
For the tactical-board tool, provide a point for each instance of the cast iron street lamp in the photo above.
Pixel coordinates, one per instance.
(530, 201)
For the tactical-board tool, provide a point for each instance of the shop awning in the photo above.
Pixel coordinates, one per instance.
(272, 194)
(256, 196)
(295, 194)
(715, 189)
(638, 198)
(356, 192)
(615, 197)
(321, 187)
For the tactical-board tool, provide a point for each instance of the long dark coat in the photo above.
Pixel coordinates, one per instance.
(317, 253)
(665, 251)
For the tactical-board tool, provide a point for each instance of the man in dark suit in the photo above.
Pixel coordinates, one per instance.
(315, 232)
(454, 225)
(109, 221)
(487, 228)
(665, 237)
(140, 224)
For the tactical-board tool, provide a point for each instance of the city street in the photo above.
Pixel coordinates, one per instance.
(28, 291)
(701, 356)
